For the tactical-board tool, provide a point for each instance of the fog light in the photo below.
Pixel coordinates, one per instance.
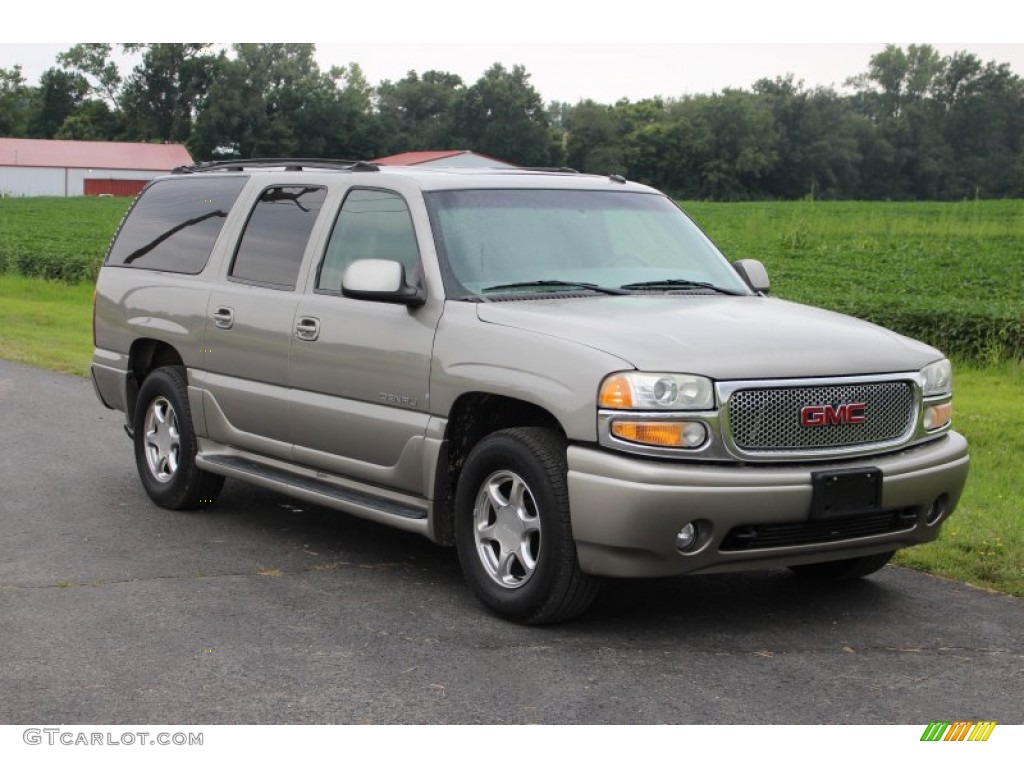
(686, 538)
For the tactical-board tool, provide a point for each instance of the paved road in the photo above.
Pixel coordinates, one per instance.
(265, 610)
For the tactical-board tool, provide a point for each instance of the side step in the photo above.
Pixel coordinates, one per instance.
(369, 505)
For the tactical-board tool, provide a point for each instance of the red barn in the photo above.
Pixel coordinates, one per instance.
(52, 167)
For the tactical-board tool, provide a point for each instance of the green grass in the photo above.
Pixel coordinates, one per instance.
(951, 274)
(46, 324)
(983, 542)
(57, 238)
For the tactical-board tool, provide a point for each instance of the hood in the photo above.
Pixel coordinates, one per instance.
(724, 337)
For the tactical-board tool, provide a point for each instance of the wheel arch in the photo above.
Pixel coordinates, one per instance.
(473, 416)
(144, 357)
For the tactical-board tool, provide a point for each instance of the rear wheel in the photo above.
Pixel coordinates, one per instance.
(513, 531)
(165, 444)
(841, 570)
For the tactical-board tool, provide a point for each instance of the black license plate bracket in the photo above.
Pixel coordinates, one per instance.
(846, 492)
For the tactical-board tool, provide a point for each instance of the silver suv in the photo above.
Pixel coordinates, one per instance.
(558, 374)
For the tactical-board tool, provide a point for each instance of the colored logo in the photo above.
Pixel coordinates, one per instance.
(959, 730)
(825, 415)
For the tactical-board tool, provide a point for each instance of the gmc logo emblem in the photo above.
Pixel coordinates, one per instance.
(824, 415)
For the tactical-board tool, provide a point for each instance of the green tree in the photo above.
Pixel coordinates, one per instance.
(895, 93)
(92, 121)
(417, 112)
(16, 102)
(818, 153)
(272, 100)
(596, 139)
(60, 95)
(161, 96)
(984, 127)
(740, 147)
(502, 115)
(92, 61)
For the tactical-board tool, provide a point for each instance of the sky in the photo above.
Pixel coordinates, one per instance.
(572, 51)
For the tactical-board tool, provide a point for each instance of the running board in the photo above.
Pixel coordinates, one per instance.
(371, 506)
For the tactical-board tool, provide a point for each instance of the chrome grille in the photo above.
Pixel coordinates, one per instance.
(768, 419)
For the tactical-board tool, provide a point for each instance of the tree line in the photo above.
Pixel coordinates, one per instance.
(914, 125)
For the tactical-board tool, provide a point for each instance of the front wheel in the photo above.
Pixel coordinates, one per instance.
(513, 530)
(842, 570)
(165, 444)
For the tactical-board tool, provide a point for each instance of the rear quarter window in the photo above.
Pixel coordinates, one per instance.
(173, 225)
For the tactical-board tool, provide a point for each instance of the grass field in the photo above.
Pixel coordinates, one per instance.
(45, 323)
(959, 259)
(983, 542)
(951, 274)
(57, 238)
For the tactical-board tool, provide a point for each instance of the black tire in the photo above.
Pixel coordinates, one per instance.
(165, 444)
(843, 570)
(540, 581)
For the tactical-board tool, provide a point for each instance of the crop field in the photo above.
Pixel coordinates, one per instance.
(951, 274)
(57, 238)
(948, 273)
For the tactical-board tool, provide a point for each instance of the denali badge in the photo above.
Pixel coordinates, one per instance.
(824, 415)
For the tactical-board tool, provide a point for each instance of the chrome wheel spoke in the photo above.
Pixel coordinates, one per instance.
(494, 495)
(505, 566)
(516, 494)
(526, 556)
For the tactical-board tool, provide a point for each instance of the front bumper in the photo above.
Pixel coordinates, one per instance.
(626, 511)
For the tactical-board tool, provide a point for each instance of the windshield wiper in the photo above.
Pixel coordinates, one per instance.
(681, 283)
(555, 284)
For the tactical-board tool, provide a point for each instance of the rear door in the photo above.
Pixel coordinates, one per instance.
(250, 320)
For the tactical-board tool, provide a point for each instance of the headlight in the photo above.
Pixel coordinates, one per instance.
(937, 379)
(656, 392)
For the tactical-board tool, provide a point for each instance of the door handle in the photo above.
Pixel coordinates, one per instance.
(224, 317)
(307, 328)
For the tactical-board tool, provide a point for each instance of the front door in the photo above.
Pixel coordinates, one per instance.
(360, 379)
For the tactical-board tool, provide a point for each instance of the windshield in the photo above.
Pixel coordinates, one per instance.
(531, 240)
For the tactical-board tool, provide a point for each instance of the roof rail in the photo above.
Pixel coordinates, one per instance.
(288, 163)
(551, 169)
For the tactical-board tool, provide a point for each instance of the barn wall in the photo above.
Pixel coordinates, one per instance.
(31, 182)
(116, 187)
(77, 177)
(22, 181)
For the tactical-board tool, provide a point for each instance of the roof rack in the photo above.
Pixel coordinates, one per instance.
(288, 163)
(547, 169)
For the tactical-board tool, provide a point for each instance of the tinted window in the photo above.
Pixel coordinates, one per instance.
(372, 224)
(275, 237)
(174, 224)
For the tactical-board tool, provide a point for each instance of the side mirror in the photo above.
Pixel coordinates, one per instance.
(380, 280)
(754, 273)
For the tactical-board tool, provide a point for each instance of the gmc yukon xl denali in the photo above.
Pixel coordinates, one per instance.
(559, 374)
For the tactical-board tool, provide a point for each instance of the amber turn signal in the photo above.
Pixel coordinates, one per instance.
(936, 416)
(616, 393)
(667, 434)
